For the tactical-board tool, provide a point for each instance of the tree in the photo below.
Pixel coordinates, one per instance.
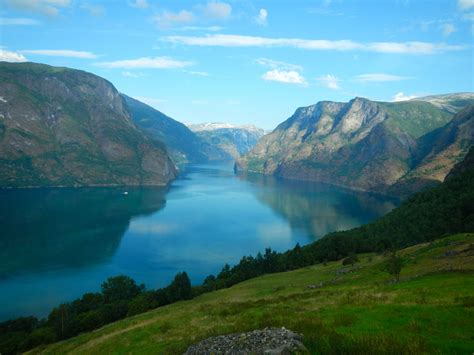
(180, 288)
(394, 265)
(120, 288)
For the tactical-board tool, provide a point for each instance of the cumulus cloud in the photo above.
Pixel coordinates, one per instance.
(145, 63)
(379, 77)
(447, 29)
(9, 56)
(329, 81)
(216, 10)
(225, 40)
(284, 76)
(465, 4)
(402, 97)
(19, 21)
(44, 7)
(139, 4)
(170, 19)
(61, 53)
(261, 19)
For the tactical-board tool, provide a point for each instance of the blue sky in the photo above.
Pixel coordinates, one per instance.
(250, 61)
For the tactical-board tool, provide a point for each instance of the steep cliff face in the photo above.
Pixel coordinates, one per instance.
(182, 144)
(234, 140)
(387, 147)
(65, 127)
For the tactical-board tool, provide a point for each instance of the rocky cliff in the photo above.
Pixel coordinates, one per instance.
(65, 127)
(395, 148)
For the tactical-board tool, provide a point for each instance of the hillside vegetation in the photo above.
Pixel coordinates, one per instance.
(338, 309)
(66, 127)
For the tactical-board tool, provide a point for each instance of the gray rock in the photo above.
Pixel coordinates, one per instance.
(265, 341)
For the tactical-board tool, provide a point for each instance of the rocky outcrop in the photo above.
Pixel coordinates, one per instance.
(266, 341)
(234, 140)
(395, 148)
(65, 127)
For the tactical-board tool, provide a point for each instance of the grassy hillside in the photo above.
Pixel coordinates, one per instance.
(356, 309)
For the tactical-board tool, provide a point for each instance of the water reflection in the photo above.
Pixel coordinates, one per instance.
(316, 208)
(48, 229)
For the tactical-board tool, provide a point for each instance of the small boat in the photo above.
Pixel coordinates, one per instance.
(125, 193)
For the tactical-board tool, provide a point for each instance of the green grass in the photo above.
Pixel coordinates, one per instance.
(431, 309)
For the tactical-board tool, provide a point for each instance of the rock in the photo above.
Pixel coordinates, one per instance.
(265, 341)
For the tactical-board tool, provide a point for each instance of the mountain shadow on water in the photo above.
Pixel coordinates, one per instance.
(48, 229)
(318, 208)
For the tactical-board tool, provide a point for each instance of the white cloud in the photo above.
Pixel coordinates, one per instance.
(94, 10)
(169, 19)
(61, 53)
(9, 56)
(329, 81)
(402, 97)
(447, 29)
(139, 4)
(276, 64)
(261, 19)
(465, 4)
(224, 40)
(284, 76)
(146, 63)
(379, 77)
(129, 74)
(216, 10)
(21, 21)
(44, 7)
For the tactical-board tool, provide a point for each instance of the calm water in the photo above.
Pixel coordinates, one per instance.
(56, 244)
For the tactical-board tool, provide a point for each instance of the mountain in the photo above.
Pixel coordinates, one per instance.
(183, 145)
(396, 148)
(233, 139)
(66, 127)
(448, 102)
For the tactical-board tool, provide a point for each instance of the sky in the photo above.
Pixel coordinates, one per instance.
(250, 62)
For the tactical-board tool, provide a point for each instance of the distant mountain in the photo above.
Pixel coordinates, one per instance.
(396, 148)
(183, 145)
(65, 127)
(235, 140)
(449, 102)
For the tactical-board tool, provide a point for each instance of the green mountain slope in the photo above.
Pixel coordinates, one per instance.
(367, 145)
(338, 309)
(65, 127)
(182, 143)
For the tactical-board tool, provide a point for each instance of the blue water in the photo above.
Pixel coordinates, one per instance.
(57, 244)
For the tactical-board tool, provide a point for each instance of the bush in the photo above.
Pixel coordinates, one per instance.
(350, 260)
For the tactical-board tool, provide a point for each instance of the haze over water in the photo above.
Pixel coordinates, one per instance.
(57, 244)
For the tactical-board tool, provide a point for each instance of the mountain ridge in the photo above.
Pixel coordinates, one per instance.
(363, 144)
(67, 127)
